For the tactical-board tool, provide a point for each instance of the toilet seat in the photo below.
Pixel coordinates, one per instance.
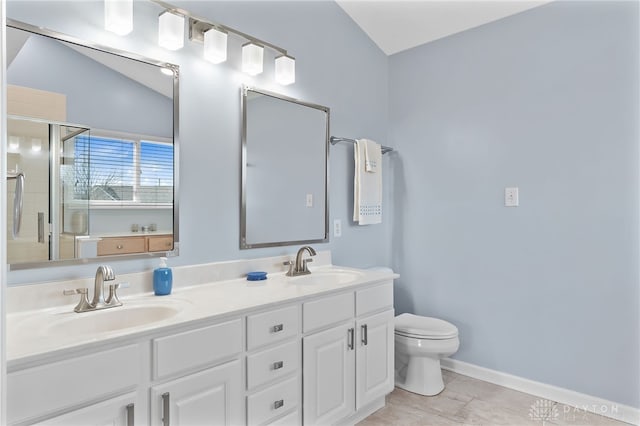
(419, 327)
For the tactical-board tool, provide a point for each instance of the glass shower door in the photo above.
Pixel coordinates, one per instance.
(28, 152)
(54, 210)
(72, 202)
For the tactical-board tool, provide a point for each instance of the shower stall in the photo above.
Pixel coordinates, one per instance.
(46, 209)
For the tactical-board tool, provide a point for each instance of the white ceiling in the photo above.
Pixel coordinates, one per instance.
(402, 24)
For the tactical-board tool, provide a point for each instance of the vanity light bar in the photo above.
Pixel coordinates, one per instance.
(214, 37)
(252, 51)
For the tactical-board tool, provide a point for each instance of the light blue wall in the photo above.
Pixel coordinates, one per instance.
(336, 65)
(547, 101)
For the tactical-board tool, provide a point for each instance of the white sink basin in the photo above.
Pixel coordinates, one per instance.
(333, 275)
(112, 319)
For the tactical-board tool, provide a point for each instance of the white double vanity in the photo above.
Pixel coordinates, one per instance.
(313, 349)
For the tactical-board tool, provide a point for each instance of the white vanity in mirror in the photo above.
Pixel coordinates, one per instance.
(312, 349)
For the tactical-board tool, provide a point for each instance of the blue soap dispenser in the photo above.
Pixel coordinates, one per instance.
(162, 278)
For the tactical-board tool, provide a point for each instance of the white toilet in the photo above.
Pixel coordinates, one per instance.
(420, 342)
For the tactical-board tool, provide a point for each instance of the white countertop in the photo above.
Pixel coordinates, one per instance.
(35, 333)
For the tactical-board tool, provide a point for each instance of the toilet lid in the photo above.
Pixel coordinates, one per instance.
(427, 327)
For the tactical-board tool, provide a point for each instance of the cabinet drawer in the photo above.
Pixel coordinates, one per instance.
(272, 326)
(160, 243)
(328, 310)
(110, 412)
(271, 364)
(269, 403)
(37, 391)
(374, 298)
(292, 419)
(109, 246)
(196, 348)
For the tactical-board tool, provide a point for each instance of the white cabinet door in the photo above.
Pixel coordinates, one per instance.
(118, 411)
(211, 397)
(328, 371)
(374, 357)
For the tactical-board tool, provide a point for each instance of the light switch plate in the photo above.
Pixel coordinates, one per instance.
(511, 198)
(337, 228)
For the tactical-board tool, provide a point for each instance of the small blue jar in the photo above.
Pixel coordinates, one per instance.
(162, 279)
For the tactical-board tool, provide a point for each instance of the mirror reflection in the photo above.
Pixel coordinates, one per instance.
(284, 166)
(92, 132)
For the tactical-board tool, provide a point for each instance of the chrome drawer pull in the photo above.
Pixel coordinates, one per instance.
(278, 327)
(166, 420)
(119, 246)
(279, 403)
(278, 365)
(365, 335)
(40, 227)
(350, 342)
(130, 415)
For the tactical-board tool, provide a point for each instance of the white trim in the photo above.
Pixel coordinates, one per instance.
(3, 213)
(579, 400)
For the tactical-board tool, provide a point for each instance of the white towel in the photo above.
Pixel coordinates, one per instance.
(367, 183)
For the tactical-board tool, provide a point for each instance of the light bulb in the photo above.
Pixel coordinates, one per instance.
(118, 16)
(252, 58)
(14, 143)
(215, 46)
(170, 30)
(285, 70)
(36, 145)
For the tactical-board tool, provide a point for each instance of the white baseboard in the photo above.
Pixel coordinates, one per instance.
(578, 400)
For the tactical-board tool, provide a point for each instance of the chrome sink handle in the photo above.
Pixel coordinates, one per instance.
(83, 305)
(112, 299)
(290, 264)
(305, 269)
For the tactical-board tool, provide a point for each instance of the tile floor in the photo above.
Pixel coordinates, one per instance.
(468, 401)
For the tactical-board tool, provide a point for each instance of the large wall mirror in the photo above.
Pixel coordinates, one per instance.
(92, 157)
(284, 171)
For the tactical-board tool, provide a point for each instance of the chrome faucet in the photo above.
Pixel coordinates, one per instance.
(103, 273)
(299, 267)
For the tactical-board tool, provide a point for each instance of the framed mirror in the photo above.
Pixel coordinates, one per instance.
(92, 155)
(285, 149)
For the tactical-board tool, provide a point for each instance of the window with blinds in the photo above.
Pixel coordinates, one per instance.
(123, 170)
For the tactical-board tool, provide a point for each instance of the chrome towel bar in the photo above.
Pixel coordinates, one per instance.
(334, 140)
